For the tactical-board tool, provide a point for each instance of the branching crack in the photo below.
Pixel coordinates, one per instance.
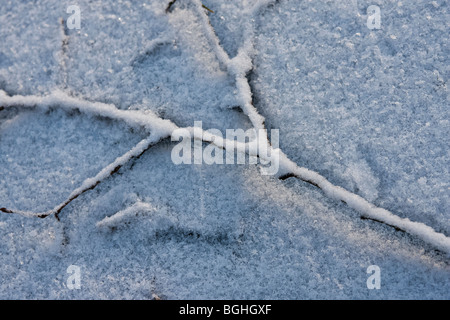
(237, 68)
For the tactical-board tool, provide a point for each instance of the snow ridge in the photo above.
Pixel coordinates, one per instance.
(124, 215)
(59, 99)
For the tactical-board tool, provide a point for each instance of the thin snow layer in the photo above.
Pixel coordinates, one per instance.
(368, 101)
(240, 239)
(223, 231)
(162, 129)
(154, 61)
(366, 209)
(45, 155)
(30, 34)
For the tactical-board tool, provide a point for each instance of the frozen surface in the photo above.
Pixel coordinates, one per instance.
(373, 106)
(367, 109)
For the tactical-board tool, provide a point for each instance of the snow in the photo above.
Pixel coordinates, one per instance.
(58, 99)
(159, 217)
(367, 209)
(362, 117)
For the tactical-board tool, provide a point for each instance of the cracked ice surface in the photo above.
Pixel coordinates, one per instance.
(368, 110)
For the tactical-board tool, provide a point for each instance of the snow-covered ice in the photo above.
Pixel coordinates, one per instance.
(362, 114)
